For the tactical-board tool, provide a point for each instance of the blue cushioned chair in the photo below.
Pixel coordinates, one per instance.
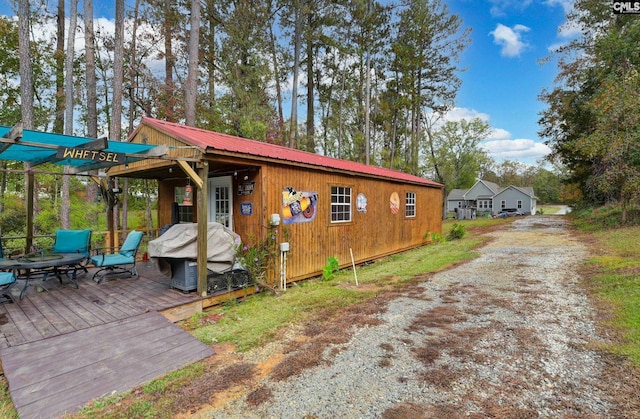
(118, 261)
(73, 241)
(7, 282)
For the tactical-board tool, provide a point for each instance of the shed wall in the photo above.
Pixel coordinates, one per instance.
(371, 234)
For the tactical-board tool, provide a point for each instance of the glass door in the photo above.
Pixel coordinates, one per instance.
(221, 200)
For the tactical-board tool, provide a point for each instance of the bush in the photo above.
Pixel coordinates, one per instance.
(329, 270)
(457, 232)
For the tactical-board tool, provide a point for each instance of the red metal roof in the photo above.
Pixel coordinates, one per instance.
(229, 143)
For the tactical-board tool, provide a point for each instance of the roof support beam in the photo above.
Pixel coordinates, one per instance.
(14, 134)
(191, 173)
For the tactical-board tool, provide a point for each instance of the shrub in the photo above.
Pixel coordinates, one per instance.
(457, 232)
(329, 270)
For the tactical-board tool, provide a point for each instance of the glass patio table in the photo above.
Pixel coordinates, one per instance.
(41, 266)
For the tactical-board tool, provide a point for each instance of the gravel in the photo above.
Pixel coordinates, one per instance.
(508, 334)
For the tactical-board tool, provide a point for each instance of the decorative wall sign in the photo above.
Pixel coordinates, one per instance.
(394, 203)
(298, 207)
(361, 203)
(246, 188)
(246, 208)
(94, 155)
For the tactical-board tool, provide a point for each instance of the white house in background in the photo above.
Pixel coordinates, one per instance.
(487, 197)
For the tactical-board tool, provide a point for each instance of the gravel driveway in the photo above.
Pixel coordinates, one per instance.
(508, 334)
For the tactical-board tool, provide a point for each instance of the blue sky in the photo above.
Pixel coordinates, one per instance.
(504, 77)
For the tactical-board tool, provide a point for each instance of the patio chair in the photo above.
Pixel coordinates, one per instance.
(113, 261)
(74, 241)
(7, 282)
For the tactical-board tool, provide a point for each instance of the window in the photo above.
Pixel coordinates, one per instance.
(484, 204)
(410, 204)
(503, 204)
(340, 204)
(519, 204)
(184, 207)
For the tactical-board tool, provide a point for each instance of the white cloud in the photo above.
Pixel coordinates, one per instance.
(456, 114)
(499, 134)
(521, 149)
(499, 143)
(567, 5)
(499, 7)
(510, 39)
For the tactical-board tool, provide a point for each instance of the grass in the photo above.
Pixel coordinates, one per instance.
(614, 279)
(548, 209)
(258, 319)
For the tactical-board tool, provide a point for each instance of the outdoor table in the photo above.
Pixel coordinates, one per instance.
(43, 265)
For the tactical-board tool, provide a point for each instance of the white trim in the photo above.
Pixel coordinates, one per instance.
(225, 185)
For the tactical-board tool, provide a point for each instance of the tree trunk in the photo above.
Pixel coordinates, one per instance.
(191, 88)
(92, 95)
(276, 77)
(115, 132)
(293, 137)
(58, 123)
(65, 207)
(311, 129)
(170, 60)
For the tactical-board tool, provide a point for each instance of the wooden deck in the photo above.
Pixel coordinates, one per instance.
(63, 347)
(64, 309)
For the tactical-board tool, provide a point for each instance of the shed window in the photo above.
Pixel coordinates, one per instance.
(410, 204)
(340, 204)
(184, 207)
(519, 204)
(503, 204)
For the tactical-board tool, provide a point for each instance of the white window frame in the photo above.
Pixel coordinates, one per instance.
(519, 204)
(503, 204)
(341, 199)
(410, 205)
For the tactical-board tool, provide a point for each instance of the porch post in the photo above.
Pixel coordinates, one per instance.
(203, 230)
(30, 197)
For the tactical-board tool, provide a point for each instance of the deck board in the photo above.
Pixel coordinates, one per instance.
(64, 347)
(49, 377)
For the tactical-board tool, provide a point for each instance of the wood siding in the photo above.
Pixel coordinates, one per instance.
(370, 235)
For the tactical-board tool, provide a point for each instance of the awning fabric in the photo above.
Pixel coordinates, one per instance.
(35, 148)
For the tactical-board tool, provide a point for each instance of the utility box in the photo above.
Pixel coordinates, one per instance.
(184, 274)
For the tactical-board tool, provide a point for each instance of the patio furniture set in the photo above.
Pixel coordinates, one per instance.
(71, 252)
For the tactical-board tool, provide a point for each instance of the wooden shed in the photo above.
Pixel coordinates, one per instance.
(320, 207)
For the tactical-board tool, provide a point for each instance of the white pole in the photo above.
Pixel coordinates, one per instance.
(284, 272)
(281, 270)
(353, 263)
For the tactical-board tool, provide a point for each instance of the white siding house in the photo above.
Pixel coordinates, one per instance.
(487, 197)
(521, 198)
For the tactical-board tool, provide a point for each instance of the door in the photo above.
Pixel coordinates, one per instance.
(221, 200)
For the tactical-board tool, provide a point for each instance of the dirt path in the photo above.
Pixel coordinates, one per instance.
(509, 334)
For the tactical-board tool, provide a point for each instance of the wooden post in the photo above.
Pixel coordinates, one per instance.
(30, 197)
(203, 215)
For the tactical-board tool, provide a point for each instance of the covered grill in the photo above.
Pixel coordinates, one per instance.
(175, 252)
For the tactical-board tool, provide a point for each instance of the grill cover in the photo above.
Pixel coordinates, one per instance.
(181, 242)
